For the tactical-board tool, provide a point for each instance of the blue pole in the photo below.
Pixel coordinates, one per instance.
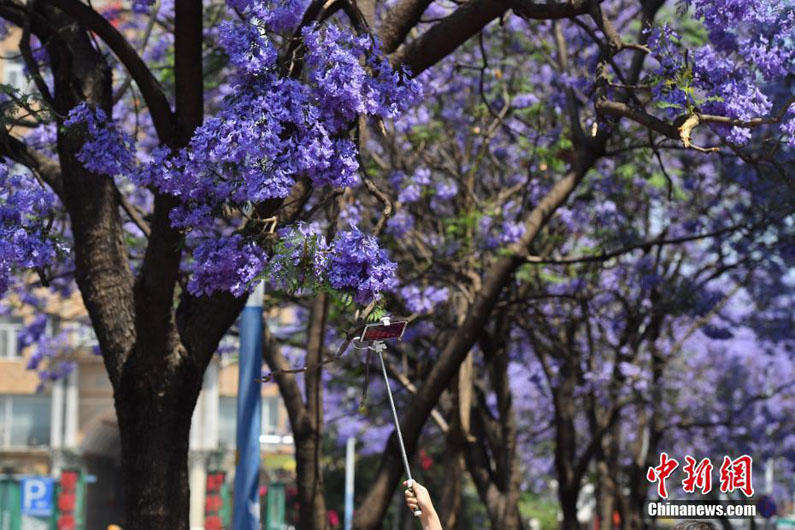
(350, 448)
(249, 415)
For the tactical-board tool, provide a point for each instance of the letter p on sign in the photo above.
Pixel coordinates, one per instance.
(37, 496)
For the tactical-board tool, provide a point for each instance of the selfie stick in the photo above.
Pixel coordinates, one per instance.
(379, 346)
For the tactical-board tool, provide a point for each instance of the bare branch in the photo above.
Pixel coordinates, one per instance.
(48, 170)
(134, 215)
(27, 54)
(401, 378)
(657, 241)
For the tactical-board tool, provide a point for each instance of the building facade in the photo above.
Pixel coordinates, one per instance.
(71, 424)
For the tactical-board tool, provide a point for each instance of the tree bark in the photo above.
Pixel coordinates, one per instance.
(606, 495)
(568, 495)
(450, 504)
(456, 441)
(154, 412)
(569, 479)
(309, 438)
(306, 417)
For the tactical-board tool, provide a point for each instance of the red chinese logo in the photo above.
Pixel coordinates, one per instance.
(659, 473)
(699, 475)
(736, 475)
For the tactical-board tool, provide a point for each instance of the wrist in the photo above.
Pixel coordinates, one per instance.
(428, 515)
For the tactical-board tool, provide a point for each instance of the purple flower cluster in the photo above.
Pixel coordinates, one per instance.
(48, 351)
(750, 45)
(24, 241)
(142, 6)
(108, 151)
(278, 16)
(33, 331)
(446, 189)
(248, 49)
(758, 32)
(352, 263)
(225, 264)
(400, 223)
(730, 90)
(356, 263)
(270, 129)
(423, 300)
(350, 76)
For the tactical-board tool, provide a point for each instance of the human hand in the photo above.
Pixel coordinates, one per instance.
(418, 497)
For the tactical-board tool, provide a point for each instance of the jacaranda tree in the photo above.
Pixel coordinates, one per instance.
(169, 156)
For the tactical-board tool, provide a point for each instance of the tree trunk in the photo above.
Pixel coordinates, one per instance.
(456, 442)
(491, 458)
(450, 505)
(568, 495)
(306, 415)
(154, 409)
(567, 465)
(606, 495)
(310, 438)
(310, 484)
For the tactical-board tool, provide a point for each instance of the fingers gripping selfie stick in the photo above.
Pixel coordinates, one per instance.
(377, 333)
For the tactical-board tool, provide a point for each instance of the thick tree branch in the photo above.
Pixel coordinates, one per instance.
(406, 383)
(48, 170)
(551, 11)
(617, 110)
(308, 442)
(399, 20)
(682, 129)
(154, 293)
(447, 35)
(102, 270)
(27, 54)
(14, 12)
(150, 88)
(458, 27)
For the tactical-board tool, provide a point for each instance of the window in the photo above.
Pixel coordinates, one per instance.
(270, 415)
(8, 338)
(227, 419)
(24, 421)
(83, 335)
(14, 74)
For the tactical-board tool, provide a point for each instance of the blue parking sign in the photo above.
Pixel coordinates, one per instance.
(37, 496)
